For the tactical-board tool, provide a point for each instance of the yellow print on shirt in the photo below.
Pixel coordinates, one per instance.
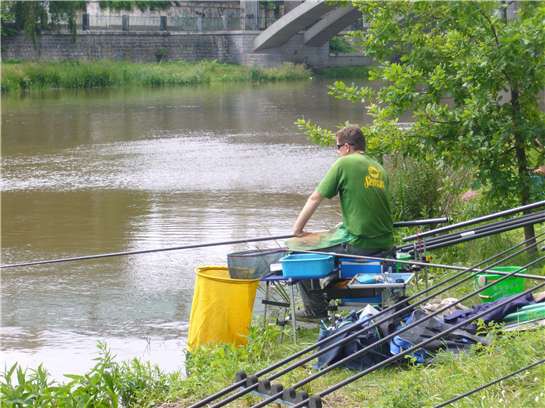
(374, 179)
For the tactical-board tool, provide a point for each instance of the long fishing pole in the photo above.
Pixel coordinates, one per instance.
(485, 234)
(475, 220)
(383, 312)
(426, 221)
(391, 335)
(496, 226)
(433, 265)
(477, 230)
(497, 380)
(144, 251)
(415, 347)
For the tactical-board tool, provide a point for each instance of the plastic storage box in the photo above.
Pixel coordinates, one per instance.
(349, 267)
(306, 266)
(527, 313)
(507, 287)
(402, 267)
(384, 289)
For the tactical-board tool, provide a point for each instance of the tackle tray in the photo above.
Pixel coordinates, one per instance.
(393, 280)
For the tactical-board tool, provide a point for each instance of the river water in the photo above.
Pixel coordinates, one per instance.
(100, 171)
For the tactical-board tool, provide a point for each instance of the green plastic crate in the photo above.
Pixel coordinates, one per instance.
(508, 287)
(527, 313)
(402, 267)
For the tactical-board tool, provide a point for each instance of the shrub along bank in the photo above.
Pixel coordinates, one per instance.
(17, 76)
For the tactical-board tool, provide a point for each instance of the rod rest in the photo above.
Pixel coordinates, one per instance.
(249, 380)
(290, 395)
(315, 402)
(265, 387)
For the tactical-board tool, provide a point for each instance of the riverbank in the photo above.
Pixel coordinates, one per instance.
(212, 368)
(22, 76)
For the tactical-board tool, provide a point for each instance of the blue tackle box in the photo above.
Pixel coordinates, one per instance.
(381, 289)
(307, 266)
(350, 267)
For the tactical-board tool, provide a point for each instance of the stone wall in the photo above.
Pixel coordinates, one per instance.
(146, 46)
(131, 46)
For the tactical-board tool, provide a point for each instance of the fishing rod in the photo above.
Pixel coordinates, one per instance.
(492, 227)
(319, 343)
(209, 244)
(317, 397)
(482, 387)
(389, 336)
(144, 251)
(430, 264)
(428, 221)
(477, 230)
(471, 237)
(475, 220)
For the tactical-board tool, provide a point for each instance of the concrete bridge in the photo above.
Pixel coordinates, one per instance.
(319, 21)
(303, 34)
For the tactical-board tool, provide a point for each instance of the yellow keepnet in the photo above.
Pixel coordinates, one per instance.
(221, 311)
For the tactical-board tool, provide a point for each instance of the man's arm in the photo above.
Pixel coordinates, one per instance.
(312, 203)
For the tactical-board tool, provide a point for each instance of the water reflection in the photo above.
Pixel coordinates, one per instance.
(107, 171)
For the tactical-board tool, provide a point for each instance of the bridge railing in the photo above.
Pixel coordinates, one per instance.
(166, 23)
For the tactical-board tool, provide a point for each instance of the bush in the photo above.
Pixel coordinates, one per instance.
(421, 189)
(340, 45)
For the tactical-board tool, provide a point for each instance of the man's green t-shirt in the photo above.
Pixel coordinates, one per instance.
(362, 185)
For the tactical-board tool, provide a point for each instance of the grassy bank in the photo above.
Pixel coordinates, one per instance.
(406, 385)
(17, 76)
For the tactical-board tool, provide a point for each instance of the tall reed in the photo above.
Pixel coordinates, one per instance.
(18, 76)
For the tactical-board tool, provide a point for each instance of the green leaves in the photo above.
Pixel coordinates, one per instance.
(469, 77)
(315, 133)
(107, 384)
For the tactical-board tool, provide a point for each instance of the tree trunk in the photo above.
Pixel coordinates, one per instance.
(522, 169)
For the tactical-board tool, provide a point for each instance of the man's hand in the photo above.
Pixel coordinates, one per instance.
(312, 203)
(301, 233)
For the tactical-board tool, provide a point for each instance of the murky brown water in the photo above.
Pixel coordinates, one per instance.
(103, 171)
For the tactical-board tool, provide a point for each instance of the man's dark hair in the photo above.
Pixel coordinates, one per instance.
(353, 136)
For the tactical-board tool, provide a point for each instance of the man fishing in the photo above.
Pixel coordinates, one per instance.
(366, 228)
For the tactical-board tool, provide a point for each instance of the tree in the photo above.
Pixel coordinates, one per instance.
(470, 74)
(33, 17)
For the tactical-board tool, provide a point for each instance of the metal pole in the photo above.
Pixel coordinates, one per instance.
(486, 233)
(476, 220)
(435, 265)
(484, 228)
(293, 323)
(144, 251)
(427, 221)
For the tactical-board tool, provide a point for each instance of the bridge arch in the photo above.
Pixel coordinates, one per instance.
(319, 20)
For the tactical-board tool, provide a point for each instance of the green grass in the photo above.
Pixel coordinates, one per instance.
(211, 368)
(17, 76)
